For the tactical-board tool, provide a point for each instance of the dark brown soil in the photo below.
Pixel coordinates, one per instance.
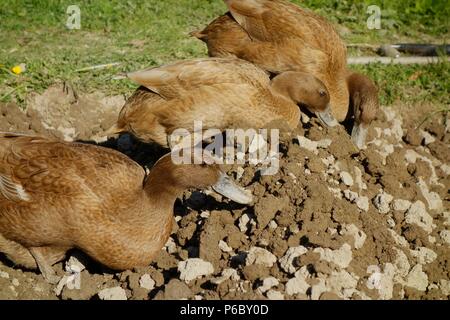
(333, 223)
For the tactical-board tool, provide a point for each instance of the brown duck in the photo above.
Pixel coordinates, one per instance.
(55, 196)
(222, 93)
(279, 36)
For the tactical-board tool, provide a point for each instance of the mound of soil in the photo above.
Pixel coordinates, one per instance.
(333, 223)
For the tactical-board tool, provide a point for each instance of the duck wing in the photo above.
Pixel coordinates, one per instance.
(301, 35)
(272, 20)
(252, 16)
(33, 168)
(177, 80)
(19, 167)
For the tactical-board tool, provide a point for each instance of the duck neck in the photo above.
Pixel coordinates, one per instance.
(364, 101)
(339, 94)
(160, 189)
(285, 104)
(281, 86)
(153, 210)
(153, 206)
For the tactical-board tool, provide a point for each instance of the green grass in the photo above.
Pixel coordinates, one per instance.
(413, 83)
(139, 34)
(399, 19)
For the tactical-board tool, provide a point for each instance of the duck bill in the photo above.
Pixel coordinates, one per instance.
(226, 187)
(359, 133)
(327, 117)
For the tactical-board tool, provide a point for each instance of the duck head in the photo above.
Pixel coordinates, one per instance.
(306, 90)
(179, 177)
(364, 106)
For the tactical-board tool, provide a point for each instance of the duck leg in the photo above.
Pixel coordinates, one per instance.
(44, 265)
(54, 254)
(17, 253)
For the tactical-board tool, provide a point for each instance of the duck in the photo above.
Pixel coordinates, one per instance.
(222, 93)
(55, 196)
(280, 36)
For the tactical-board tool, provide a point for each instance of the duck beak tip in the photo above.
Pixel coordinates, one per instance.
(327, 117)
(226, 187)
(359, 133)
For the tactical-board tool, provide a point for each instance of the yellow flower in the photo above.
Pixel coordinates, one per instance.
(19, 68)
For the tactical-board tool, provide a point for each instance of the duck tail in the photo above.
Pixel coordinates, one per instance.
(199, 35)
(115, 129)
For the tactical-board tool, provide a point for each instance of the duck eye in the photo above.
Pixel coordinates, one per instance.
(322, 93)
